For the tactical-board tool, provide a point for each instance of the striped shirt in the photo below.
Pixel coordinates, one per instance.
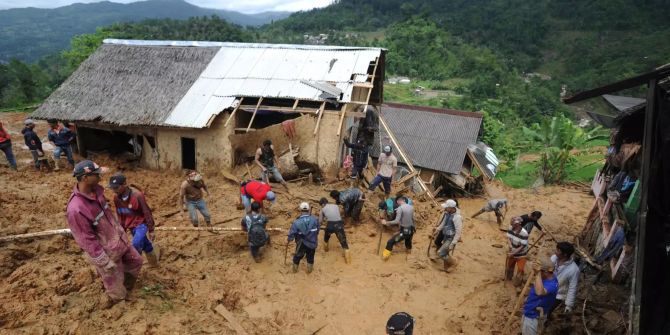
(517, 240)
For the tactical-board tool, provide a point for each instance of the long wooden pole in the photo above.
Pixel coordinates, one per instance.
(318, 120)
(523, 293)
(253, 116)
(233, 113)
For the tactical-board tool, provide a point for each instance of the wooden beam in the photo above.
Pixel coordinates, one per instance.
(318, 121)
(253, 116)
(372, 80)
(295, 104)
(343, 112)
(479, 167)
(235, 325)
(406, 178)
(233, 112)
(400, 151)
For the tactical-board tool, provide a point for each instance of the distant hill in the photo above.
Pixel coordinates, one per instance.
(32, 33)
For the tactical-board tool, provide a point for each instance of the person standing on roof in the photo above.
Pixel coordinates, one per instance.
(266, 159)
(191, 197)
(541, 297)
(450, 229)
(134, 215)
(330, 213)
(386, 168)
(496, 206)
(255, 191)
(517, 238)
(359, 152)
(61, 137)
(405, 218)
(528, 221)
(6, 147)
(99, 234)
(33, 142)
(254, 224)
(352, 199)
(305, 232)
(568, 276)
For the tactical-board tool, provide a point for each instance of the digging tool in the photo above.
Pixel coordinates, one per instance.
(517, 304)
(379, 243)
(286, 252)
(535, 243)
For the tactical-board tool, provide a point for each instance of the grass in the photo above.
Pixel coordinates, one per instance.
(525, 174)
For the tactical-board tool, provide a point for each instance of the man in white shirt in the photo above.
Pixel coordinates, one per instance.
(568, 276)
(386, 167)
(450, 226)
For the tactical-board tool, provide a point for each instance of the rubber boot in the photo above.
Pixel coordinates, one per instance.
(325, 246)
(310, 268)
(386, 254)
(152, 257)
(129, 281)
(56, 164)
(294, 268)
(347, 256)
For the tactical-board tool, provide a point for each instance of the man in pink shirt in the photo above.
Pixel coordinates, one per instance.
(97, 232)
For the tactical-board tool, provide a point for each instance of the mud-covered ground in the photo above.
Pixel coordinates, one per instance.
(47, 287)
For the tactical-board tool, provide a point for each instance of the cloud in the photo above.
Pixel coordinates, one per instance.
(249, 6)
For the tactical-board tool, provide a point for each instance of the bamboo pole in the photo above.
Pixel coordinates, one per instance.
(253, 116)
(233, 113)
(318, 121)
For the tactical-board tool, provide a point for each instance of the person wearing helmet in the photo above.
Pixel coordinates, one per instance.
(400, 323)
(449, 230)
(305, 232)
(255, 191)
(191, 197)
(386, 168)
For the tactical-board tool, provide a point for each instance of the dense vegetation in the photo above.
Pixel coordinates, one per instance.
(32, 33)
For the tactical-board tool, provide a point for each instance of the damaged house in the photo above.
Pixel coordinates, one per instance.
(442, 145)
(209, 105)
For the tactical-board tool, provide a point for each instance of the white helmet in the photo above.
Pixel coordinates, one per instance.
(304, 206)
(449, 204)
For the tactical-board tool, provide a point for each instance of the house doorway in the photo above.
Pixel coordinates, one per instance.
(188, 153)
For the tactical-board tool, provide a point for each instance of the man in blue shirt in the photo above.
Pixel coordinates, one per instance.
(542, 295)
(61, 137)
(305, 232)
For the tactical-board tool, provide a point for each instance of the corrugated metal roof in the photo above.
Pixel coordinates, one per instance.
(270, 71)
(433, 138)
(621, 103)
(486, 158)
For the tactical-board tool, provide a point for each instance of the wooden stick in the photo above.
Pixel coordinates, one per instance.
(233, 113)
(253, 116)
(65, 231)
(318, 120)
(295, 104)
(209, 229)
(372, 81)
(231, 319)
(522, 295)
(339, 128)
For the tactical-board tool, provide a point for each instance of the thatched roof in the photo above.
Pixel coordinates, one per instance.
(127, 85)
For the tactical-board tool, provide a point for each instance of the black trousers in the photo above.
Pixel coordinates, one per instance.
(301, 251)
(354, 210)
(337, 228)
(405, 234)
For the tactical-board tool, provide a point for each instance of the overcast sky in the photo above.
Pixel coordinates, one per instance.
(248, 6)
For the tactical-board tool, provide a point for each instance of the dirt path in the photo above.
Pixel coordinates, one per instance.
(47, 287)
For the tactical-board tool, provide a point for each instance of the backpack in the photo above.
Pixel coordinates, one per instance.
(257, 235)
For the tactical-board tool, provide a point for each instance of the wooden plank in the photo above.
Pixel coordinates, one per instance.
(253, 116)
(318, 121)
(233, 113)
(479, 167)
(295, 104)
(343, 112)
(372, 80)
(406, 178)
(237, 327)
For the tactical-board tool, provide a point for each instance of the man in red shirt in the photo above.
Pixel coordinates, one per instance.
(257, 191)
(134, 215)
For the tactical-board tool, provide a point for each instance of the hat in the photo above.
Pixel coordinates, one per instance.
(400, 324)
(387, 148)
(28, 121)
(304, 206)
(86, 167)
(449, 204)
(117, 180)
(546, 264)
(270, 196)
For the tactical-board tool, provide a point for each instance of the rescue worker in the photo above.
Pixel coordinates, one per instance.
(99, 234)
(266, 159)
(387, 207)
(518, 248)
(494, 205)
(359, 153)
(61, 137)
(330, 213)
(386, 168)
(305, 232)
(254, 224)
(405, 218)
(450, 229)
(255, 191)
(33, 143)
(352, 200)
(400, 323)
(191, 197)
(135, 216)
(6, 147)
